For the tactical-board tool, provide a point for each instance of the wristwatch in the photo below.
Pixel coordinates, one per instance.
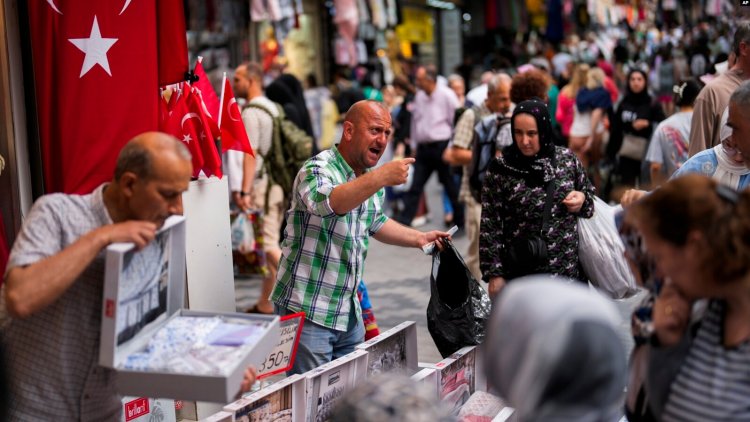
(243, 193)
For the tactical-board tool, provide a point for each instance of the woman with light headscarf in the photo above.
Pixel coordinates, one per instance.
(565, 362)
(723, 163)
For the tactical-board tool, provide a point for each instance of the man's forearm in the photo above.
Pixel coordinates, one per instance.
(459, 156)
(350, 195)
(34, 287)
(397, 234)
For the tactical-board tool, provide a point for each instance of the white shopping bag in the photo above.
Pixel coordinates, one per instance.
(601, 252)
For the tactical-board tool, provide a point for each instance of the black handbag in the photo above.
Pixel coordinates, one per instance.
(528, 254)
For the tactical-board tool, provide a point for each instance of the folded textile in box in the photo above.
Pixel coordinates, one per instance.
(196, 345)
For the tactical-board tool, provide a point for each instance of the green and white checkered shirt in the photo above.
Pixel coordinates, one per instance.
(323, 254)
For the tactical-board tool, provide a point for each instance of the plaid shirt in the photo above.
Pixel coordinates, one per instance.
(323, 253)
(463, 136)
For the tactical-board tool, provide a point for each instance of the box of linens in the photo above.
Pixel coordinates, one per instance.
(157, 347)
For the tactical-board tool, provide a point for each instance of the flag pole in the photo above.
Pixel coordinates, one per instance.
(221, 101)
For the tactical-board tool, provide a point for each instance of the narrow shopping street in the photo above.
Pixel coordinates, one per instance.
(398, 281)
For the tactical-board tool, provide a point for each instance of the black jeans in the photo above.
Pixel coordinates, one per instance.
(430, 158)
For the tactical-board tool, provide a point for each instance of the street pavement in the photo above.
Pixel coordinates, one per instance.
(398, 282)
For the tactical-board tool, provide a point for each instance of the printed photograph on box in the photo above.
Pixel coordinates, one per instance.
(330, 387)
(388, 355)
(143, 287)
(276, 407)
(457, 380)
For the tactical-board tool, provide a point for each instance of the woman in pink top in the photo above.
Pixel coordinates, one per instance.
(567, 99)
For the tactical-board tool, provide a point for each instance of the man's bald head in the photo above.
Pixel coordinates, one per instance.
(366, 131)
(362, 109)
(139, 155)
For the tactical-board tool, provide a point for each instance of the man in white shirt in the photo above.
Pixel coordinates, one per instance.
(433, 112)
(251, 175)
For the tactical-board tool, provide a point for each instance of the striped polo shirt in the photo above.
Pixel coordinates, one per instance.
(714, 381)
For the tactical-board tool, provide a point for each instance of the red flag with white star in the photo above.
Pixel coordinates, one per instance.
(206, 140)
(97, 83)
(183, 125)
(210, 100)
(233, 133)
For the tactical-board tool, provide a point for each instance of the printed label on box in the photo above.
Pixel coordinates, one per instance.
(136, 408)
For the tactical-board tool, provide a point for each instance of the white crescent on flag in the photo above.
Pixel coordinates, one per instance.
(233, 102)
(53, 6)
(188, 116)
(125, 6)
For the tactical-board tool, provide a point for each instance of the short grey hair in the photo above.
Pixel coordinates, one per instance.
(741, 96)
(497, 80)
(455, 77)
(741, 34)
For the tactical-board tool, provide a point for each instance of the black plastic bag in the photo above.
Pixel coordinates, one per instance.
(459, 307)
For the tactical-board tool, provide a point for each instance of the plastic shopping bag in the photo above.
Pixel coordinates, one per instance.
(601, 252)
(248, 257)
(459, 307)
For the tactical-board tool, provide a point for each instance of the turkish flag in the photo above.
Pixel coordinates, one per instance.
(233, 133)
(210, 100)
(96, 73)
(172, 41)
(206, 140)
(184, 125)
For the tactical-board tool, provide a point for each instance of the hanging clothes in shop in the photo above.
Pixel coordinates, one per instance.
(366, 28)
(379, 18)
(491, 15)
(392, 12)
(346, 20)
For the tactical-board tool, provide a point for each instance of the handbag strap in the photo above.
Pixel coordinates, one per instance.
(548, 201)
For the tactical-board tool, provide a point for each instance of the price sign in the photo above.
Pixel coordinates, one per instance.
(282, 356)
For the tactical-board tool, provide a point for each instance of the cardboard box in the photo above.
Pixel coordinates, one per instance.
(458, 378)
(283, 400)
(429, 377)
(143, 291)
(327, 383)
(142, 409)
(219, 417)
(394, 350)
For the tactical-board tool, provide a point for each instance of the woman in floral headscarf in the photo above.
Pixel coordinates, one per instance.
(515, 195)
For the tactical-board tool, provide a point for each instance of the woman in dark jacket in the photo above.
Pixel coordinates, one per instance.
(632, 125)
(514, 198)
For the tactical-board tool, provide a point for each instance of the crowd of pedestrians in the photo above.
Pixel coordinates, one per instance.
(658, 124)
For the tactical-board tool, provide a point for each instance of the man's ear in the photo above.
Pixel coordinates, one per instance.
(127, 183)
(348, 131)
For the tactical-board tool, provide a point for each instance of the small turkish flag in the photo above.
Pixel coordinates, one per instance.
(233, 133)
(210, 100)
(183, 125)
(211, 159)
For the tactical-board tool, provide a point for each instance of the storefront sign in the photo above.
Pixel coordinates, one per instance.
(282, 356)
(417, 26)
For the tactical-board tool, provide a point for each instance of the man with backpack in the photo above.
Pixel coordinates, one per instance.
(279, 148)
(474, 148)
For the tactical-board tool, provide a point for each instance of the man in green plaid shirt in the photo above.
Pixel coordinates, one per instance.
(336, 205)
